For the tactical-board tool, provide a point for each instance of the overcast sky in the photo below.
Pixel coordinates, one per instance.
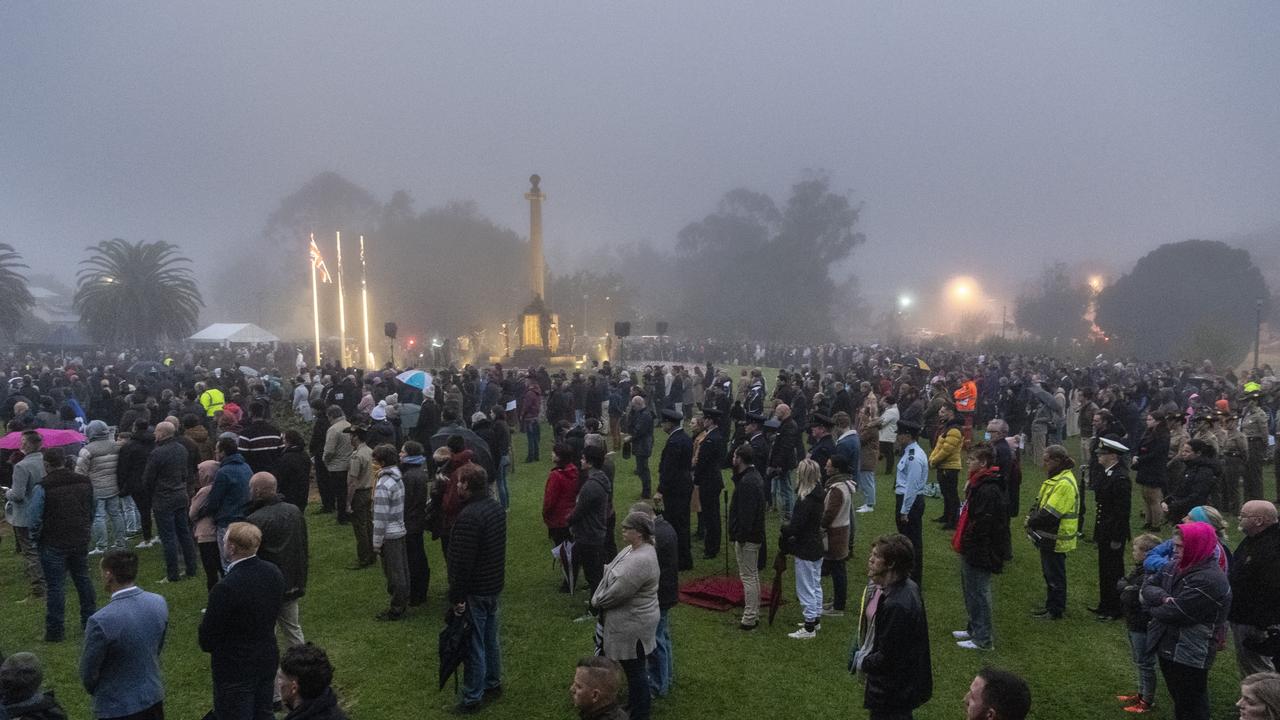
(986, 135)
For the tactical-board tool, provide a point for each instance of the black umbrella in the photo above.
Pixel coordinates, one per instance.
(143, 367)
(455, 639)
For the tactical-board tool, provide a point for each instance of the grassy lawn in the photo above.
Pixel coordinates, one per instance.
(388, 670)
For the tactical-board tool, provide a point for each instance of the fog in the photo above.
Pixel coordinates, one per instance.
(983, 138)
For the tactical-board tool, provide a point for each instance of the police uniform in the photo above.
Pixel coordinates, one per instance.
(908, 490)
(1254, 427)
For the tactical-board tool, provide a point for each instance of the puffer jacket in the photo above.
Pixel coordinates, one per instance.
(948, 449)
(98, 460)
(1183, 629)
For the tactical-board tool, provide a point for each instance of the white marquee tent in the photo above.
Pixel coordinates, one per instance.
(229, 333)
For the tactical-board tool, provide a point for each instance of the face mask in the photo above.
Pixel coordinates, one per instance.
(986, 436)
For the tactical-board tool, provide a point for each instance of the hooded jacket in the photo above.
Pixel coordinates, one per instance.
(1188, 600)
(98, 460)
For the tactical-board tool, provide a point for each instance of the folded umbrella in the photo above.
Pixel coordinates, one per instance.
(775, 590)
(455, 639)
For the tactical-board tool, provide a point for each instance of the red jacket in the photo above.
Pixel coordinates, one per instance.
(560, 495)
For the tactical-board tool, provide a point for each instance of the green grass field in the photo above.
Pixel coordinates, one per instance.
(387, 671)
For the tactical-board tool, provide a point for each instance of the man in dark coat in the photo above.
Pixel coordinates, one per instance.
(1112, 493)
(708, 461)
(284, 544)
(166, 472)
(982, 539)
(746, 530)
(260, 442)
(416, 492)
(476, 560)
(130, 464)
(1254, 573)
(238, 629)
(824, 446)
(675, 482)
(61, 510)
(783, 459)
(641, 431)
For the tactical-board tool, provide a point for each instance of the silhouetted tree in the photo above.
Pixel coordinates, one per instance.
(1183, 298)
(137, 294)
(1053, 307)
(15, 297)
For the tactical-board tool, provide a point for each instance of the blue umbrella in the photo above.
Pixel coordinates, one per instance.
(415, 378)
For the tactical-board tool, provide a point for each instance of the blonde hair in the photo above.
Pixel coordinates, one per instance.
(808, 477)
(245, 536)
(1146, 541)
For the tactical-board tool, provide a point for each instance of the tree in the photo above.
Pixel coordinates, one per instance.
(757, 271)
(1185, 297)
(1053, 308)
(269, 273)
(137, 294)
(15, 297)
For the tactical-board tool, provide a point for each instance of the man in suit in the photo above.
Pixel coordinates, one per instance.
(238, 630)
(708, 461)
(675, 482)
(120, 664)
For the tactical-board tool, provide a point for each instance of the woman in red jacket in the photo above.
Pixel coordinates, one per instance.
(559, 497)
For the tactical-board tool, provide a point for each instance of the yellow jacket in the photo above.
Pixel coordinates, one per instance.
(947, 451)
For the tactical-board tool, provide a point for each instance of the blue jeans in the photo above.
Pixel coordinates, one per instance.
(483, 667)
(642, 472)
(976, 585)
(57, 563)
(867, 484)
(662, 662)
(532, 434)
(1054, 567)
(784, 496)
(132, 519)
(504, 495)
(1144, 658)
(108, 516)
(175, 534)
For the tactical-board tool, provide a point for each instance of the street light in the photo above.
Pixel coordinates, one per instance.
(904, 302)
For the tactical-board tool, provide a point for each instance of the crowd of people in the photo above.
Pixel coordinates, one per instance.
(185, 451)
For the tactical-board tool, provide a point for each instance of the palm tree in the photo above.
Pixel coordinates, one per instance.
(15, 298)
(137, 293)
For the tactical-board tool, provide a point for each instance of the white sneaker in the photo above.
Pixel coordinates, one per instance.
(971, 645)
(817, 626)
(803, 634)
(960, 634)
(97, 551)
(145, 544)
(865, 509)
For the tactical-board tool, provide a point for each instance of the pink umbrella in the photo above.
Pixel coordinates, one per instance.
(52, 438)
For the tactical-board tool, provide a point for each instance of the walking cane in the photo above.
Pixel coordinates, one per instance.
(725, 530)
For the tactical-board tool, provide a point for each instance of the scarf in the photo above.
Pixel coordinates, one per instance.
(957, 539)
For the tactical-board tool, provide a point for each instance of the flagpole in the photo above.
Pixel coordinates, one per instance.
(342, 310)
(315, 299)
(364, 309)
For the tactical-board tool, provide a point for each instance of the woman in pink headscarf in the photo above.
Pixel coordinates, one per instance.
(1188, 602)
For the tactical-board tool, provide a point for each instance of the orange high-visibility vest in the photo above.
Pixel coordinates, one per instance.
(967, 397)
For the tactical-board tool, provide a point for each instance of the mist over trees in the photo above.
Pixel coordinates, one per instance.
(15, 297)
(752, 269)
(1193, 300)
(1053, 307)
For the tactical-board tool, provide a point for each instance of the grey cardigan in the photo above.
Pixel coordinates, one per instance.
(628, 598)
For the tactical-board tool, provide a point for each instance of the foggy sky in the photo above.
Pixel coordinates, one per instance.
(990, 135)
